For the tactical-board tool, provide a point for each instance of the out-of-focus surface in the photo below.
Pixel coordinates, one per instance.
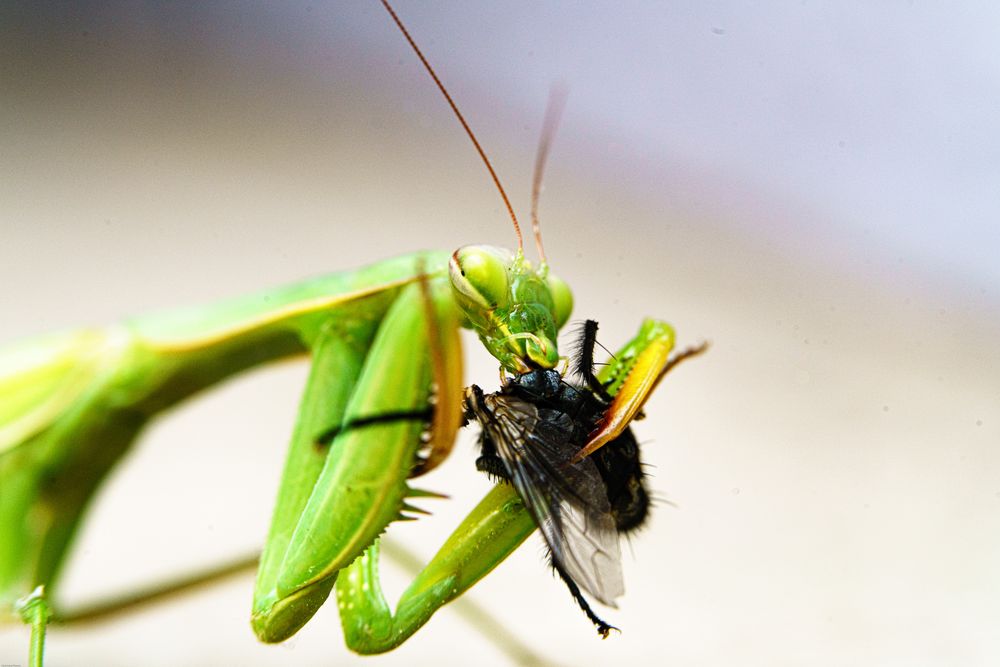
(812, 189)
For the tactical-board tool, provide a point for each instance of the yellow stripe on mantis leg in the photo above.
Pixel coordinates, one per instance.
(633, 374)
(444, 350)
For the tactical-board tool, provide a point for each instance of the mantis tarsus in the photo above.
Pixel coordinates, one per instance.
(385, 381)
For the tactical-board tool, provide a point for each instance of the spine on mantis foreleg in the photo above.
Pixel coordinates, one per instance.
(326, 517)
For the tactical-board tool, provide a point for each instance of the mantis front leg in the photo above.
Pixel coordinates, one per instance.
(335, 501)
(490, 533)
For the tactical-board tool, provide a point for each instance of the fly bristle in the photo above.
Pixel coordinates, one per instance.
(583, 360)
(493, 467)
(583, 349)
(656, 501)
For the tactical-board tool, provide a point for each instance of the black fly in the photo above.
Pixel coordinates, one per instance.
(531, 430)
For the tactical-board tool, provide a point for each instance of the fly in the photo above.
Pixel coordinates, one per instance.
(532, 431)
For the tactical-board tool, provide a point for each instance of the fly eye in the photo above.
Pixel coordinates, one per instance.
(480, 274)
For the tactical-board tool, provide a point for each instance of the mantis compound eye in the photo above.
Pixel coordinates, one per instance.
(480, 275)
(562, 299)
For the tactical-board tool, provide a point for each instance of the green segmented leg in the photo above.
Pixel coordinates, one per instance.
(35, 612)
(359, 484)
(337, 363)
(490, 533)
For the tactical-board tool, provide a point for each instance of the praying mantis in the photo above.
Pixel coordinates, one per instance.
(382, 405)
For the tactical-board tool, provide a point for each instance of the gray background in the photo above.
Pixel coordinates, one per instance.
(811, 187)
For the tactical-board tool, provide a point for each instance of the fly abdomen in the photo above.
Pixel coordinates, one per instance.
(620, 468)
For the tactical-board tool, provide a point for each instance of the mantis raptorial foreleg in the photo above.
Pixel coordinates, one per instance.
(336, 365)
(490, 533)
(334, 502)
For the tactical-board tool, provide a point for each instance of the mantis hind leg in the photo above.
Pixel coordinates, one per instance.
(35, 612)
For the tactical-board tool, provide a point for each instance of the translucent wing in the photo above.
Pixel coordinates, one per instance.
(568, 500)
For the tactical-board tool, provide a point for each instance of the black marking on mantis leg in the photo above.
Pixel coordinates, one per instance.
(422, 414)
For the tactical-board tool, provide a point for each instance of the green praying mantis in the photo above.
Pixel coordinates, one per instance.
(382, 405)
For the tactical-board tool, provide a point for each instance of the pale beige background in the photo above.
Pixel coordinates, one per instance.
(813, 191)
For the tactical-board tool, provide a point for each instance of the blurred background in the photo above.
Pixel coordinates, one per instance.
(811, 187)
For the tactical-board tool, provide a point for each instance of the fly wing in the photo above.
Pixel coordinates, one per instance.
(568, 500)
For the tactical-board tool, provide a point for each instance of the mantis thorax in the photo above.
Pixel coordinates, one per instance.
(515, 308)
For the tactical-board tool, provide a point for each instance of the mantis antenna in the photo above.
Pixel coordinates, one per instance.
(461, 119)
(553, 112)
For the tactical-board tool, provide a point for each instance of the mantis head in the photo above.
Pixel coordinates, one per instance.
(516, 309)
